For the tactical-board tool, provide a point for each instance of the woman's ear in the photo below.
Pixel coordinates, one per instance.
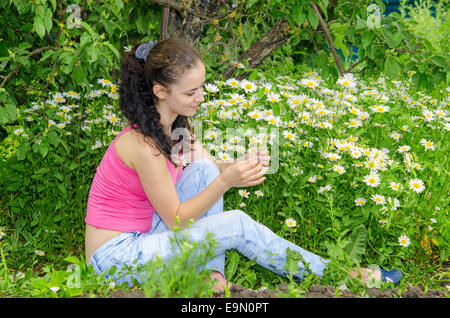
(159, 91)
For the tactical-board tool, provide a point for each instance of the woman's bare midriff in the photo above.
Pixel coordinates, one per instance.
(95, 238)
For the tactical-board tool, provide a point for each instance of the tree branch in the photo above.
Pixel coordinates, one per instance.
(164, 23)
(330, 39)
(10, 74)
(172, 4)
(5, 78)
(355, 65)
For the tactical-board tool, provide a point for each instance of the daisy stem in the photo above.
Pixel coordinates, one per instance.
(4, 261)
(330, 202)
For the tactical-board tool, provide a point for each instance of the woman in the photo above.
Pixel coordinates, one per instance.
(140, 188)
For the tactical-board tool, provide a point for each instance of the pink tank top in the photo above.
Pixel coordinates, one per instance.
(117, 200)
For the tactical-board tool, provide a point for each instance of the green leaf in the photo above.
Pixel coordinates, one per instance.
(441, 61)
(22, 151)
(93, 53)
(113, 49)
(323, 6)
(389, 38)
(367, 38)
(53, 138)
(79, 74)
(313, 18)
(53, 4)
(334, 251)
(39, 26)
(47, 20)
(392, 68)
(357, 243)
(8, 114)
(397, 38)
(72, 260)
(87, 27)
(293, 258)
(299, 16)
(232, 265)
(250, 3)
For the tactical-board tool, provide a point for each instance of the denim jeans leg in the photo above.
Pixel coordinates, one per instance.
(194, 179)
(231, 229)
(236, 230)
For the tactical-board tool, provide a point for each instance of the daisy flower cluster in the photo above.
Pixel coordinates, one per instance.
(338, 124)
(61, 110)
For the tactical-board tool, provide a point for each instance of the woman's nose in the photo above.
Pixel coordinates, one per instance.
(200, 97)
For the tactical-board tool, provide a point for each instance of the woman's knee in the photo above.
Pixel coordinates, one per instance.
(196, 177)
(238, 218)
(207, 165)
(203, 170)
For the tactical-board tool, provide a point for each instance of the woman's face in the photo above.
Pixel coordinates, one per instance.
(184, 96)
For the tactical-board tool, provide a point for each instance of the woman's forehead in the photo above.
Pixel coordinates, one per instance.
(193, 77)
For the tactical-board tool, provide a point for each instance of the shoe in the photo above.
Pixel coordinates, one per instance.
(393, 276)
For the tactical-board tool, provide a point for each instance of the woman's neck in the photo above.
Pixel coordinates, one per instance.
(167, 119)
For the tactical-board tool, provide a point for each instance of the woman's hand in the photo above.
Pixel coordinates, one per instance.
(262, 155)
(244, 173)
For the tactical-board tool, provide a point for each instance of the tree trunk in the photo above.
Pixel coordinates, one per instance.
(265, 46)
(186, 23)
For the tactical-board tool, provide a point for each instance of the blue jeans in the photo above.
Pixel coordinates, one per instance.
(231, 229)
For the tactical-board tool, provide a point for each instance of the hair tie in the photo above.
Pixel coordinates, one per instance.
(144, 49)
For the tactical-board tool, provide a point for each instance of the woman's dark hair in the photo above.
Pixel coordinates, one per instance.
(167, 61)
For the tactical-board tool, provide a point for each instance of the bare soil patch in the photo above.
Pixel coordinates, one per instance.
(315, 291)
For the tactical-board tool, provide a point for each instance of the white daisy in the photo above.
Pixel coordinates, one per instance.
(429, 145)
(324, 189)
(372, 180)
(248, 86)
(395, 135)
(105, 82)
(243, 193)
(289, 135)
(273, 97)
(416, 185)
(290, 222)
(378, 199)
(404, 241)
(309, 82)
(403, 148)
(360, 201)
(354, 123)
(259, 193)
(347, 81)
(18, 131)
(427, 115)
(380, 108)
(211, 88)
(312, 179)
(339, 169)
(232, 82)
(394, 186)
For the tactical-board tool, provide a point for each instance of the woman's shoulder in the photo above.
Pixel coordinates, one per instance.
(132, 145)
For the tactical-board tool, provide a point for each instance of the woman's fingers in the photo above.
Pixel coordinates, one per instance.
(255, 173)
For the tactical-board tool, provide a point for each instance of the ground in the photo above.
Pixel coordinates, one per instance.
(318, 291)
(315, 291)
